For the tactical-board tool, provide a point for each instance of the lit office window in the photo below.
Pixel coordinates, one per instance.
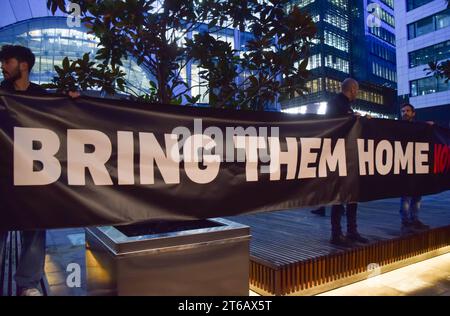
(388, 18)
(443, 20)
(336, 41)
(428, 85)
(384, 15)
(340, 3)
(314, 62)
(383, 52)
(337, 21)
(384, 72)
(332, 85)
(370, 96)
(299, 3)
(429, 24)
(423, 56)
(337, 63)
(389, 3)
(312, 86)
(52, 44)
(383, 34)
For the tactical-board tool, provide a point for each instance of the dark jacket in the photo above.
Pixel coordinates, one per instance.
(339, 106)
(32, 88)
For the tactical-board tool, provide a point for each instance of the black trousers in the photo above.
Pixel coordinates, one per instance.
(336, 215)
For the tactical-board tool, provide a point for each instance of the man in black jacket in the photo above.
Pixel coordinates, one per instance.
(17, 62)
(410, 205)
(341, 106)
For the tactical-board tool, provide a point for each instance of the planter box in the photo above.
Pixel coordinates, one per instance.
(205, 257)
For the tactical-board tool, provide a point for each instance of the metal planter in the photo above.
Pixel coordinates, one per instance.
(210, 260)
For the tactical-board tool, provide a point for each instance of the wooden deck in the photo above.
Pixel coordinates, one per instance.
(291, 253)
(290, 250)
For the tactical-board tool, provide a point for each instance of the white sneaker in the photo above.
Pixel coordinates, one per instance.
(30, 292)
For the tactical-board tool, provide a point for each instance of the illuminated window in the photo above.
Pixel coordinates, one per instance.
(337, 63)
(385, 16)
(428, 85)
(429, 24)
(314, 86)
(340, 3)
(383, 52)
(337, 21)
(389, 3)
(333, 85)
(302, 3)
(51, 42)
(336, 41)
(384, 72)
(314, 62)
(370, 96)
(383, 34)
(423, 56)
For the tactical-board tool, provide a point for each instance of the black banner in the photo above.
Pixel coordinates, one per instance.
(87, 161)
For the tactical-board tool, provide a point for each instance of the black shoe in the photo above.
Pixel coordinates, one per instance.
(407, 228)
(320, 211)
(340, 240)
(358, 238)
(416, 224)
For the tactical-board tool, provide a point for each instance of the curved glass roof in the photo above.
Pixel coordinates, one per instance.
(29, 23)
(14, 11)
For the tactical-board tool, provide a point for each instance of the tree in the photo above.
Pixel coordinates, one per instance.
(166, 36)
(84, 74)
(442, 69)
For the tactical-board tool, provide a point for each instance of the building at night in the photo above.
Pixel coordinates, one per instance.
(423, 36)
(355, 39)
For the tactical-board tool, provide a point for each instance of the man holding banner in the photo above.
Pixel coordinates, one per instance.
(17, 62)
(410, 205)
(340, 106)
(90, 177)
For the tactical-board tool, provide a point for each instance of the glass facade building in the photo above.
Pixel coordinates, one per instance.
(432, 23)
(30, 24)
(413, 4)
(347, 47)
(423, 34)
(423, 56)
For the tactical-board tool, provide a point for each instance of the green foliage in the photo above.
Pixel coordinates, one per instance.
(440, 70)
(159, 38)
(83, 74)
